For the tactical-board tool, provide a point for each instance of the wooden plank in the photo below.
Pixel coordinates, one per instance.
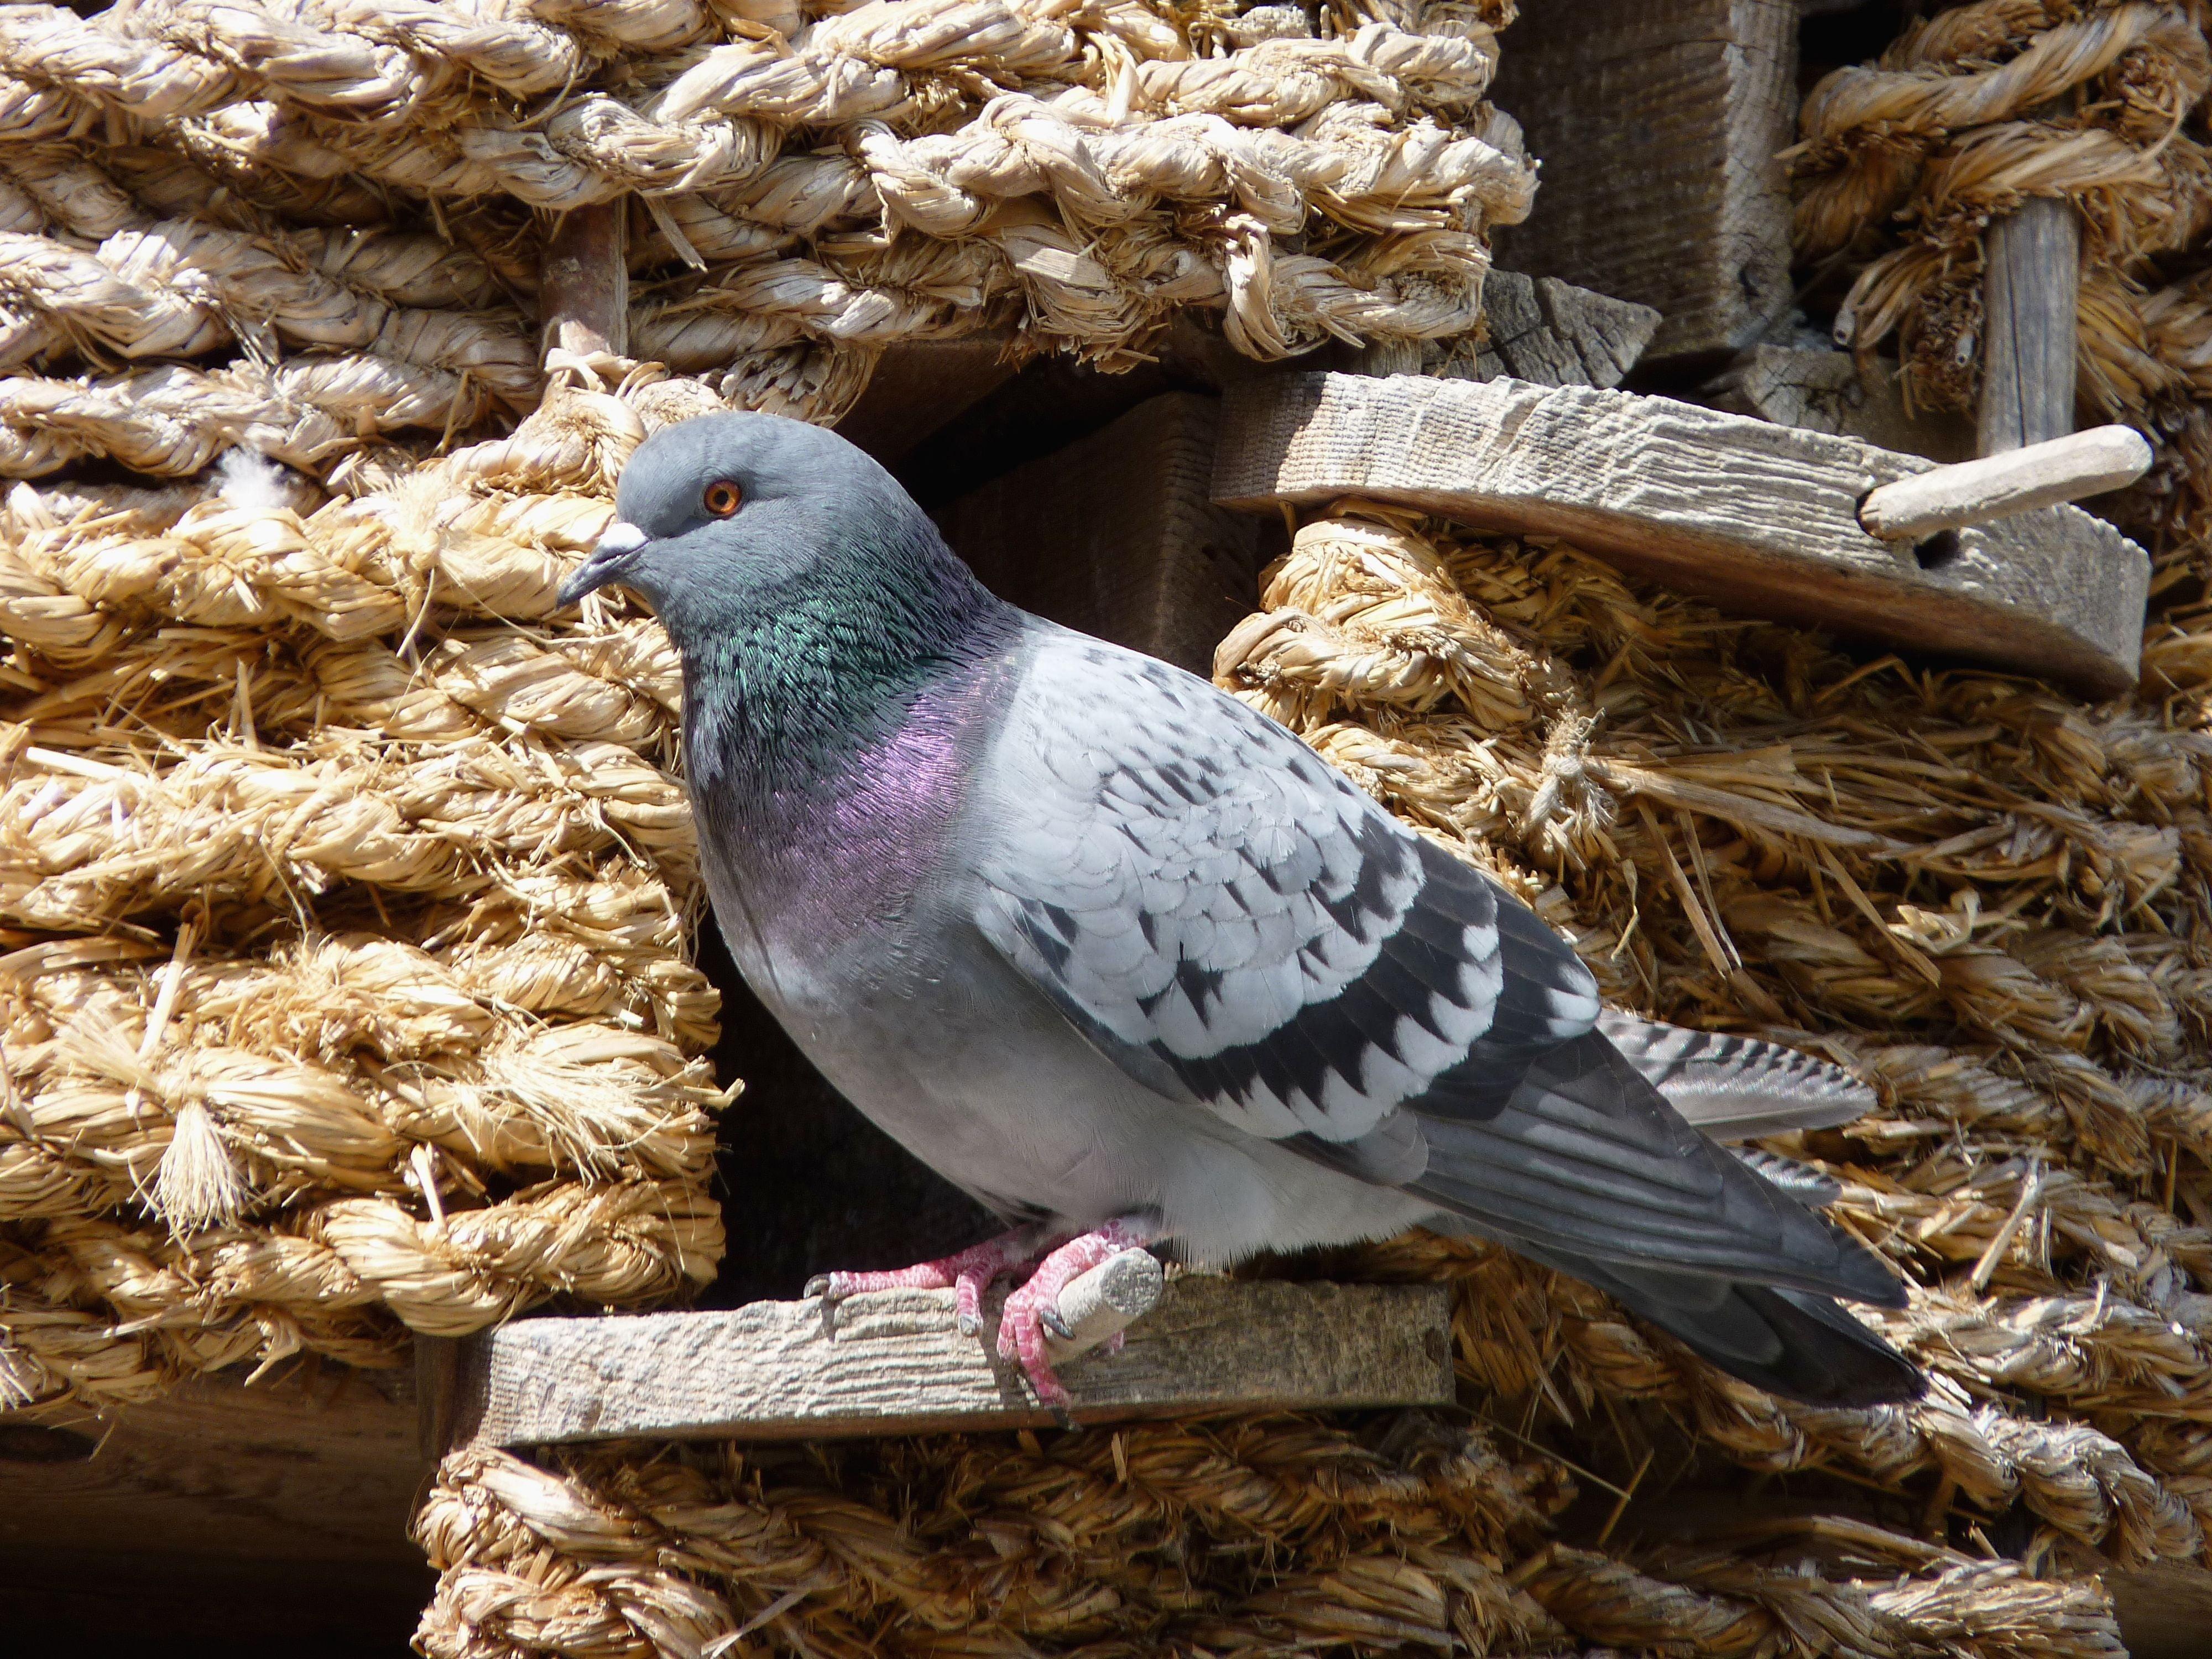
(2067, 469)
(1117, 534)
(1759, 518)
(894, 1362)
(2030, 292)
(583, 291)
(920, 386)
(1658, 127)
(1552, 333)
(2164, 1610)
(1536, 328)
(320, 1467)
(1824, 391)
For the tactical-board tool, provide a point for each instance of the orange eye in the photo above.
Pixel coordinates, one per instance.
(724, 498)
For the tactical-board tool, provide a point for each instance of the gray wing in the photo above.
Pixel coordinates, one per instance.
(1237, 926)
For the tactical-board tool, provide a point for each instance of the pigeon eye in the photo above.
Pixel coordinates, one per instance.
(724, 498)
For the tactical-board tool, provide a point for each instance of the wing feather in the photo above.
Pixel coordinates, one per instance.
(1245, 930)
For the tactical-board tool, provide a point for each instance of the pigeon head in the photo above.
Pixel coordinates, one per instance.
(737, 515)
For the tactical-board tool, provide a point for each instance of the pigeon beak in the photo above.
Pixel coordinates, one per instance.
(607, 563)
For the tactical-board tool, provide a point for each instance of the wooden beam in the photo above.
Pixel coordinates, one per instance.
(2164, 1609)
(1761, 518)
(1537, 329)
(318, 1467)
(895, 1361)
(2066, 469)
(2030, 294)
(1552, 333)
(1658, 126)
(1117, 534)
(920, 386)
(583, 292)
(1823, 390)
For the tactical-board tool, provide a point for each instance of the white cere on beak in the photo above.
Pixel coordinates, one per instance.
(621, 538)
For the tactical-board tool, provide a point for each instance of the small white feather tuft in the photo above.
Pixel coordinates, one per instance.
(252, 483)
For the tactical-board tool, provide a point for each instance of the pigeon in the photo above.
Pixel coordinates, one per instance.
(1130, 964)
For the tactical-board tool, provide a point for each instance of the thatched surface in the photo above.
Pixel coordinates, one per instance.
(347, 884)
(812, 188)
(346, 892)
(1268, 1536)
(1988, 900)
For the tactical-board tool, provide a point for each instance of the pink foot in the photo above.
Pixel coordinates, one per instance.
(967, 1275)
(1034, 1308)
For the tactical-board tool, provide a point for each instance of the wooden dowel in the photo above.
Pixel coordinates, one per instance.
(2030, 291)
(1997, 486)
(1113, 1294)
(583, 294)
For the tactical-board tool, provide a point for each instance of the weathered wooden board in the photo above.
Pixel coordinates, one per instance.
(1552, 333)
(921, 386)
(1118, 535)
(584, 284)
(1538, 329)
(220, 1518)
(2030, 293)
(1824, 391)
(2164, 1610)
(1659, 126)
(320, 1467)
(894, 1362)
(1762, 518)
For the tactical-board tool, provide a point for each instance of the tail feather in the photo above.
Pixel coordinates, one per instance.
(1815, 1189)
(1791, 1343)
(1737, 1088)
(1584, 1168)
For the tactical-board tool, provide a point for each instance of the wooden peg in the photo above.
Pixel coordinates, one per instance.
(1998, 486)
(1107, 1299)
(583, 291)
(2030, 293)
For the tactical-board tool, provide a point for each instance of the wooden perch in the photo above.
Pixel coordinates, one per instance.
(2016, 481)
(2030, 294)
(1761, 518)
(894, 1362)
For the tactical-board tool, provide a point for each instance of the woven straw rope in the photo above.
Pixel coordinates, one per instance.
(1263, 1536)
(412, 1039)
(1078, 172)
(325, 736)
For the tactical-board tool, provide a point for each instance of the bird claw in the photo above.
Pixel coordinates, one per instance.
(967, 1274)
